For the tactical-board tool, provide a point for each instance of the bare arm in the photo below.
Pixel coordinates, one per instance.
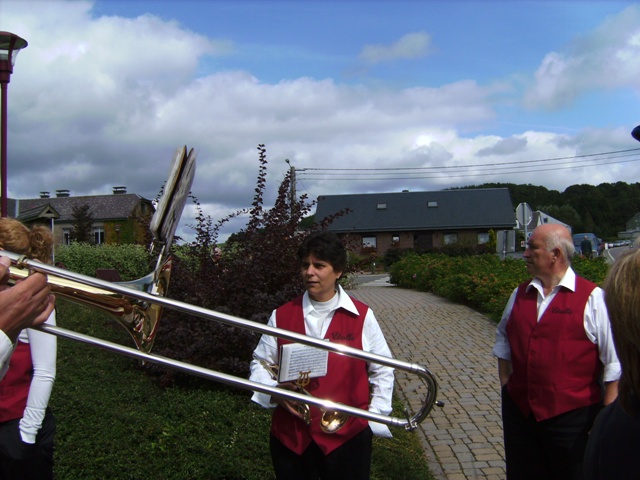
(610, 392)
(504, 371)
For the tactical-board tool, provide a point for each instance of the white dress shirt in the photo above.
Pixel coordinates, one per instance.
(596, 323)
(43, 357)
(6, 350)
(317, 320)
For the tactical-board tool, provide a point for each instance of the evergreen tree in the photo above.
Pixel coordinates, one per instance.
(82, 224)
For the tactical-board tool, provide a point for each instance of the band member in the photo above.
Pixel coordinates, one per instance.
(555, 351)
(304, 451)
(27, 426)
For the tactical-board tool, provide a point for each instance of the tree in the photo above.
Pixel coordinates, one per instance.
(565, 213)
(256, 271)
(82, 224)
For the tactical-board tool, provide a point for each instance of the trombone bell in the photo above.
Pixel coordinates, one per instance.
(140, 318)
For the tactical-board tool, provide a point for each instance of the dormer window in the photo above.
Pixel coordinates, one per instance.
(381, 206)
(432, 205)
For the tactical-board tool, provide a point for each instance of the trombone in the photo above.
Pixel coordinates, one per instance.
(138, 306)
(121, 299)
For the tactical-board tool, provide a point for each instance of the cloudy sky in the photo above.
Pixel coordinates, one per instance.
(359, 95)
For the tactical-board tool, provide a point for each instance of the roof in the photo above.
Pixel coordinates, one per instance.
(101, 207)
(39, 211)
(441, 210)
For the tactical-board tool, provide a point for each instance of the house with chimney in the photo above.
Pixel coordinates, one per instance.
(418, 220)
(120, 217)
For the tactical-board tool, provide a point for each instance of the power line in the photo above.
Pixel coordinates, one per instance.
(406, 173)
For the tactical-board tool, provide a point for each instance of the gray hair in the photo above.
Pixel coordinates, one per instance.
(557, 239)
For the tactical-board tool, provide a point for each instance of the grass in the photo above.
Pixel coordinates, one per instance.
(115, 422)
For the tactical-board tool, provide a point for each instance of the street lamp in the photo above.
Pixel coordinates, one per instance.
(10, 45)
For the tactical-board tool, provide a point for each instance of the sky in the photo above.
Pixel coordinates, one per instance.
(360, 96)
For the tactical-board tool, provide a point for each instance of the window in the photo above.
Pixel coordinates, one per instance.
(483, 238)
(432, 205)
(381, 206)
(369, 242)
(450, 238)
(395, 240)
(98, 235)
(66, 236)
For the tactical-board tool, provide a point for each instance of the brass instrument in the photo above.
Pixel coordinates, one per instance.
(138, 306)
(331, 420)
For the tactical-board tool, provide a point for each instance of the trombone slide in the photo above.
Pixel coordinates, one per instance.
(59, 275)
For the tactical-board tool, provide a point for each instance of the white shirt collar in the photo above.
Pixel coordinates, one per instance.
(568, 281)
(344, 301)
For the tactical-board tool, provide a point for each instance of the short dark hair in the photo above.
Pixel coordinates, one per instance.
(327, 247)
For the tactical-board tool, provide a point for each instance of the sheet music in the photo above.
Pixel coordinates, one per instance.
(296, 358)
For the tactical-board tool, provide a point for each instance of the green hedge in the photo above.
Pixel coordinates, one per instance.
(131, 261)
(483, 282)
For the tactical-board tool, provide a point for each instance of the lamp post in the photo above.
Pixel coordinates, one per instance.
(10, 45)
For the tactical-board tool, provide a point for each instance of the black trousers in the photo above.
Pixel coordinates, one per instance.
(550, 449)
(19, 460)
(351, 461)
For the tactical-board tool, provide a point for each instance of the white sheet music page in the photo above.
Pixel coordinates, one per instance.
(296, 358)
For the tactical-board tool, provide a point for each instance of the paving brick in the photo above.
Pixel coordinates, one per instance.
(463, 440)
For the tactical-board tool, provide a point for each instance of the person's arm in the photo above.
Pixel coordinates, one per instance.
(502, 348)
(267, 350)
(610, 392)
(6, 350)
(28, 303)
(43, 356)
(598, 330)
(504, 371)
(381, 378)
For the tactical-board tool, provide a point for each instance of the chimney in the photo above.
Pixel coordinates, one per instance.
(119, 190)
(62, 193)
(44, 194)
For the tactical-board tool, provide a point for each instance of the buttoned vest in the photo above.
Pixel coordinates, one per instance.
(346, 381)
(14, 387)
(555, 366)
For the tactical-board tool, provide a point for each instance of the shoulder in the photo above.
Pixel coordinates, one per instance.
(295, 303)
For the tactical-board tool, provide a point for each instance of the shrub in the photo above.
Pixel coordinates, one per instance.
(253, 273)
(483, 282)
(131, 261)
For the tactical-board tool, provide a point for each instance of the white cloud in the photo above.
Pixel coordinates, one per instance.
(96, 102)
(605, 58)
(409, 46)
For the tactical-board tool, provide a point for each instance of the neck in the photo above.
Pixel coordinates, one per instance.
(551, 281)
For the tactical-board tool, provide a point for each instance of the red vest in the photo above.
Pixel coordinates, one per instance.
(346, 382)
(555, 366)
(14, 387)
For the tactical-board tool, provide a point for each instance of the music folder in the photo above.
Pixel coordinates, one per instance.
(297, 360)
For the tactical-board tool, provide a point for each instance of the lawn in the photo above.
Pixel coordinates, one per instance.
(114, 421)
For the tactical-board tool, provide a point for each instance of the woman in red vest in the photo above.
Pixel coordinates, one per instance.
(27, 426)
(301, 449)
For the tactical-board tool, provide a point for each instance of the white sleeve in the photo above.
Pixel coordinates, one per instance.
(43, 357)
(266, 350)
(598, 330)
(381, 377)
(501, 348)
(6, 350)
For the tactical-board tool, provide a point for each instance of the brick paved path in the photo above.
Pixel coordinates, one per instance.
(463, 440)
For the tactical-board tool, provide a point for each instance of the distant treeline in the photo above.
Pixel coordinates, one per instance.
(604, 209)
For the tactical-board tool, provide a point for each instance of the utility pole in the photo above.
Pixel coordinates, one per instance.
(292, 187)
